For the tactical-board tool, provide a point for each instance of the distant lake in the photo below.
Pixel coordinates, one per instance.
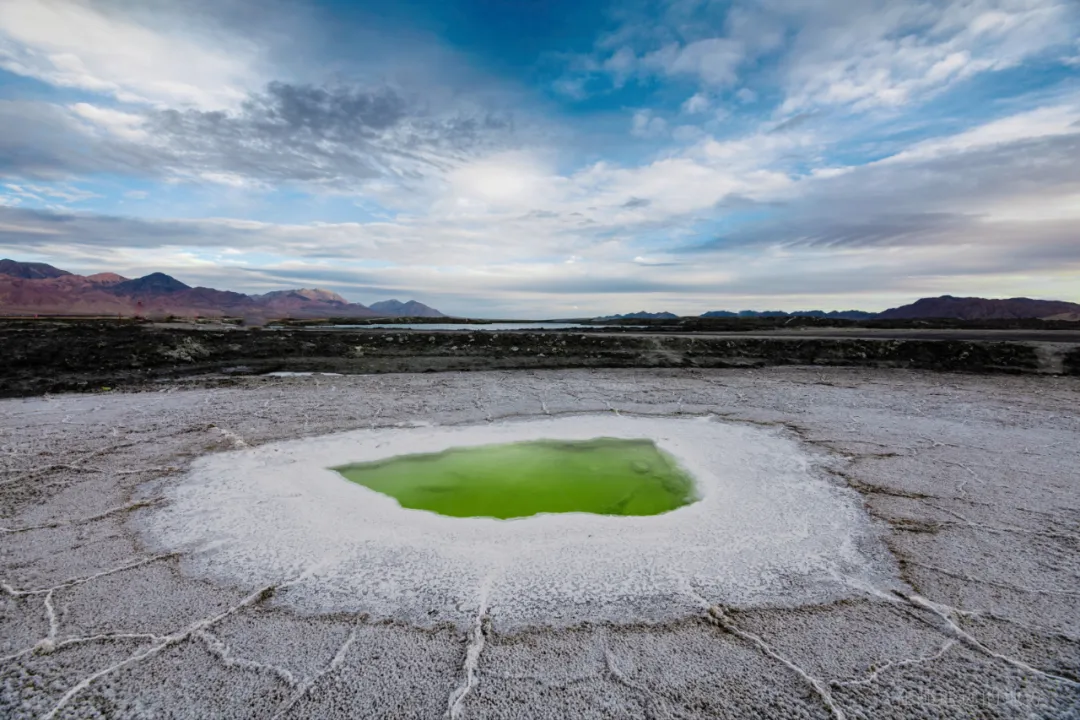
(489, 327)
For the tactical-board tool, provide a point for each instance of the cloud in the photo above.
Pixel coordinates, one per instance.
(713, 61)
(746, 96)
(793, 122)
(892, 53)
(1044, 122)
(62, 192)
(996, 198)
(621, 65)
(32, 227)
(124, 125)
(335, 138)
(510, 180)
(873, 54)
(500, 224)
(695, 104)
(647, 125)
(81, 44)
(49, 142)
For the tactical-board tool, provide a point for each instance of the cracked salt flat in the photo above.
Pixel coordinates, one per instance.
(769, 528)
(972, 480)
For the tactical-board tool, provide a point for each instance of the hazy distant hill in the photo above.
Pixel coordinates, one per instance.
(641, 316)
(972, 308)
(411, 308)
(834, 314)
(37, 288)
(945, 306)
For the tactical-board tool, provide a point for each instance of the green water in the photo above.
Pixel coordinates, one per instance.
(606, 476)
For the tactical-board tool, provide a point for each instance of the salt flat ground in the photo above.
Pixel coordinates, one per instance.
(972, 483)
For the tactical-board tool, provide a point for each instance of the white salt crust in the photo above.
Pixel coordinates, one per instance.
(769, 529)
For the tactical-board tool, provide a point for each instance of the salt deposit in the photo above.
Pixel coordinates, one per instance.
(923, 560)
(769, 529)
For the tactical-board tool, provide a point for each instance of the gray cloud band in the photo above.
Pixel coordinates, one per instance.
(329, 136)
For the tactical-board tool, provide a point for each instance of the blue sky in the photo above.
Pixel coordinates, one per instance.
(547, 157)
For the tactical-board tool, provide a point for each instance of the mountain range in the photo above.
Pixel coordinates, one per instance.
(832, 314)
(41, 289)
(946, 306)
(642, 315)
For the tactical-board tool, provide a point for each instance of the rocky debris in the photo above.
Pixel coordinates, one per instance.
(55, 357)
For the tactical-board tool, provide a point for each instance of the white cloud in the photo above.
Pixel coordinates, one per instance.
(621, 65)
(647, 125)
(58, 193)
(877, 53)
(511, 180)
(892, 53)
(1035, 209)
(695, 104)
(71, 43)
(124, 125)
(1040, 123)
(713, 60)
(746, 96)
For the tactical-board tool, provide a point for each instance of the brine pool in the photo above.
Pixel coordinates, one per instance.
(532, 522)
(605, 476)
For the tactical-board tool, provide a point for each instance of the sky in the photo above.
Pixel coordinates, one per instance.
(550, 158)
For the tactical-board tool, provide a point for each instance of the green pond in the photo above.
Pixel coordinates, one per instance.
(605, 476)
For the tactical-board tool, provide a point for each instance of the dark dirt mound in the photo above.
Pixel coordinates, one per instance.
(45, 356)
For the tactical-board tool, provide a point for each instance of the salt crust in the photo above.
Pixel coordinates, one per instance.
(770, 528)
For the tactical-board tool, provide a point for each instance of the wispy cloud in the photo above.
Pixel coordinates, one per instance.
(97, 47)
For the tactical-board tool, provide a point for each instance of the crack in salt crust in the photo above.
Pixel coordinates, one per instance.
(768, 529)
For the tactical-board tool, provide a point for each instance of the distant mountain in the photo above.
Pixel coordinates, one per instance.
(30, 271)
(105, 278)
(946, 306)
(833, 314)
(39, 289)
(837, 314)
(641, 316)
(411, 308)
(313, 295)
(152, 284)
(971, 308)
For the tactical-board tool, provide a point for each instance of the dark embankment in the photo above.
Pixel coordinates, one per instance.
(39, 357)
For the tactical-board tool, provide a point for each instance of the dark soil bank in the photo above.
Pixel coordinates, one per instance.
(39, 357)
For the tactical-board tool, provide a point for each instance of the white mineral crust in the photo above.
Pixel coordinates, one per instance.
(770, 528)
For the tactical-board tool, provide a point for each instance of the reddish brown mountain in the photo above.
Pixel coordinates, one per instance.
(30, 271)
(972, 308)
(105, 278)
(40, 289)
